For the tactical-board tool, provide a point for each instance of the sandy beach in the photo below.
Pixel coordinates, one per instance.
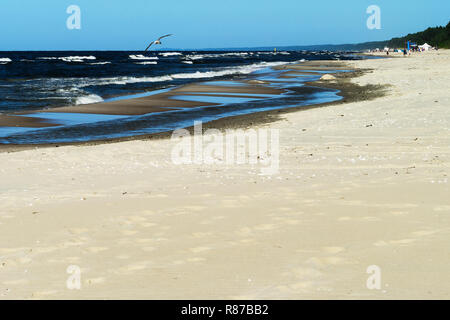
(361, 183)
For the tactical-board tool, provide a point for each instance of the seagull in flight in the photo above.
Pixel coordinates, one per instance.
(157, 41)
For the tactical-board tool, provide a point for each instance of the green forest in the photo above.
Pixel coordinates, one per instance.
(438, 36)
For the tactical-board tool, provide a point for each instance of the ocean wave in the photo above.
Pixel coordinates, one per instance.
(76, 84)
(5, 60)
(99, 63)
(187, 62)
(141, 57)
(169, 54)
(146, 62)
(122, 81)
(92, 98)
(228, 71)
(70, 58)
(217, 55)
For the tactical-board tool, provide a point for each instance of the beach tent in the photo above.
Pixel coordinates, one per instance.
(425, 47)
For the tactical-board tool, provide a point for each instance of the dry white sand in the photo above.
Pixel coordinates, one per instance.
(365, 184)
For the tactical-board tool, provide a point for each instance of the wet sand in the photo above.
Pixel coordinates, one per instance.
(23, 121)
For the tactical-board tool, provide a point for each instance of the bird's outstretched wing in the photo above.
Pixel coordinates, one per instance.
(149, 46)
(167, 35)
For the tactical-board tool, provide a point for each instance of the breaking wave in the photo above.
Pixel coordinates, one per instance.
(70, 58)
(5, 60)
(169, 54)
(141, 57)
(193, 75)
(92, 98)
(146, 62)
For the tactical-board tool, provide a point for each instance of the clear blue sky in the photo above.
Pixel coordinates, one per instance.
(129, 25)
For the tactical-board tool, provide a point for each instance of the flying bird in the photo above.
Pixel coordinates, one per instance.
(157, 41)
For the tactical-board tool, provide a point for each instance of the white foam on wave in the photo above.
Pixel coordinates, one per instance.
(217, 55)
(169, 54)
(187, 62)
(99, 63)
(146, 62)
(122, 80)
(70, 58)
(5, 60)
(141, 57)
(228, 71)
(193, 75)
(92, 98)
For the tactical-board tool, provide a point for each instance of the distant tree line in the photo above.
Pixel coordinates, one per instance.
(438, 36)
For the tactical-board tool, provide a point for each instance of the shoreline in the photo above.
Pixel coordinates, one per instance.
(347, 90)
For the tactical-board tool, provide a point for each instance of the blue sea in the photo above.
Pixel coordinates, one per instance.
(31, 81)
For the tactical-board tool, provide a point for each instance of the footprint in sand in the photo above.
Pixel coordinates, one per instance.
(424, 233)
(195, 208)
(78, 231)
(67, 260)
(25, 260)
(123, 257)
(247, 241)
(137, 218)
(148, 224)
(92, 281)
(196, 259)
(41, 250)
(381, 243)
(229, 204)
(332, 250)
(399, 213)
(442, 208)
(41, 294)
(16, 282)
(72, 243)
(199, 249)
(96, 249)
(145, 240)
(402, 241)
(134, 267)
(291, 222)
(245, 231)
(202, 234)
(370, 219)
(265, 227)
(320, 262)
(128, 232)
